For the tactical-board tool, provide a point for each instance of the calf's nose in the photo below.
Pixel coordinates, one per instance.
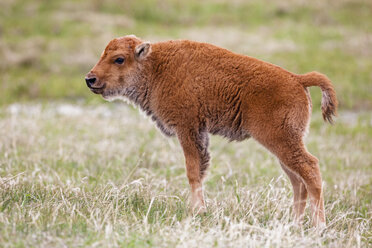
(90, 81)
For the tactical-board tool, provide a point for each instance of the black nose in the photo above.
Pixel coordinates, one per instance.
(90, 81)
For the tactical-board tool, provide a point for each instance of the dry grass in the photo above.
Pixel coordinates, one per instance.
(102, 176)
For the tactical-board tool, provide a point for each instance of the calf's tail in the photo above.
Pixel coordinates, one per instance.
(329, 100)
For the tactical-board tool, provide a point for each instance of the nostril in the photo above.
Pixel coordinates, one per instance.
(90, 81)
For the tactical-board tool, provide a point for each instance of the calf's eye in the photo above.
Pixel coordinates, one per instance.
(119, 61)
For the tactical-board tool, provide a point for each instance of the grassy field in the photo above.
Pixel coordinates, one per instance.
(76, 171)
(73, 175)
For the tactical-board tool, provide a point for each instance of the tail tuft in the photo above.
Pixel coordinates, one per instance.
(329, 100)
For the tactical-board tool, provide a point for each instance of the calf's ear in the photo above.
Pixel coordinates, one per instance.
(142, 50)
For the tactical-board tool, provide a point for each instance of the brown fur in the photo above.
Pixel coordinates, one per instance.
(191, 89)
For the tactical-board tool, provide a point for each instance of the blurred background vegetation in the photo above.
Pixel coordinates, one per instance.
(47, 47)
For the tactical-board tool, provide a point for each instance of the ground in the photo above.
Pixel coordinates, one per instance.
(74, 175)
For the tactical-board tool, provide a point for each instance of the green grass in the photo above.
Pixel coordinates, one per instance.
(73, 175)
(48, 46)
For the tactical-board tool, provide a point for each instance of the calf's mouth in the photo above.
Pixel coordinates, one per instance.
(97, 90)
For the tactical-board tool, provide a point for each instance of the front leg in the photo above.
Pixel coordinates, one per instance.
(196, 154)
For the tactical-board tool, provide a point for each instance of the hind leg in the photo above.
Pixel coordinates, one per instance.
(278, 120)
(305, 166)
(299, 193)
(301, 167)
(313, 182)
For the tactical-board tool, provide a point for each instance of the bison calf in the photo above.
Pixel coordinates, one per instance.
(191, 89)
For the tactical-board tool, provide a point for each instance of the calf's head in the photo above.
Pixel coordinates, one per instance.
(119, 67)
